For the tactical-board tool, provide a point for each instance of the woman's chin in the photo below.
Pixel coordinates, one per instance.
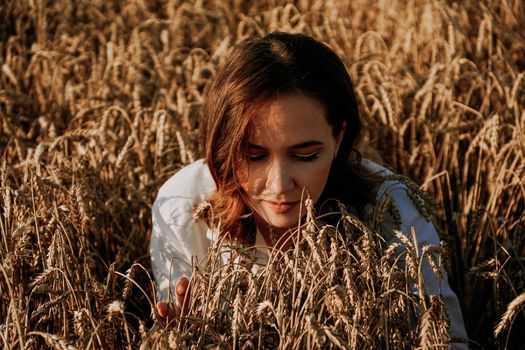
(278, 220)
(284, 221)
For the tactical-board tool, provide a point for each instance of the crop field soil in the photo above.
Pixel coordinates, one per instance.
(100, 103)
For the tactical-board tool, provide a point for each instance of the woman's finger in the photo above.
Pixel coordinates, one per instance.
(162, 309)
(180, 290)
(165, 311)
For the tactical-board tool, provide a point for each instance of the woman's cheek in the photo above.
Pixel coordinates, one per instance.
(314, 178)
(322, 175)
(253, 186)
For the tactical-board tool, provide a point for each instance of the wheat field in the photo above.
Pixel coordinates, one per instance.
(99, 105)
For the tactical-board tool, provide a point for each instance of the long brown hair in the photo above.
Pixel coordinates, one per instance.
(261, 69)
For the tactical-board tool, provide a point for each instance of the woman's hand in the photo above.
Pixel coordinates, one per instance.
(163, 308)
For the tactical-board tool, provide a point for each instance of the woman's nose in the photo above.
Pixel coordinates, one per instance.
(279, 178)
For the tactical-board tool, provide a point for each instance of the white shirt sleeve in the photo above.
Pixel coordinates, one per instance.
(426, 235)
(176, 237)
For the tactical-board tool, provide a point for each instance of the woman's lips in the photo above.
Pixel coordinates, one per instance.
(281, 207)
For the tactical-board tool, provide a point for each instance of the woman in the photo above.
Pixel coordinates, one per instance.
(280, 119)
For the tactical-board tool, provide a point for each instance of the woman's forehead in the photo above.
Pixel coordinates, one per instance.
(290, 119)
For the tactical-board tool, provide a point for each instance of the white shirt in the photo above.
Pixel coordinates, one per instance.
(176, 237)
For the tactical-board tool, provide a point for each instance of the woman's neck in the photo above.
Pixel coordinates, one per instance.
(278, 237)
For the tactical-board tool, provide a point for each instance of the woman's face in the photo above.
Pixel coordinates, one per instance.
(291, 149)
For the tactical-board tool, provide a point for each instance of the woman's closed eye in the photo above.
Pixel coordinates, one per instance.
(256, 157)
(307, 157)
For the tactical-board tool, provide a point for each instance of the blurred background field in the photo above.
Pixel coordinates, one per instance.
(99, 105)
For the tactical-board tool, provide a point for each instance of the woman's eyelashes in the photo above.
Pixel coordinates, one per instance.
(307, 157)
(296, 156)
(257, 157)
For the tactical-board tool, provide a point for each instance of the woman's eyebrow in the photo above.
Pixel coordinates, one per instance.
(296, 146)
(306, 144)
(256, 147)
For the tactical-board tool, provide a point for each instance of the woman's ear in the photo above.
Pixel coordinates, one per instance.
(339, 138)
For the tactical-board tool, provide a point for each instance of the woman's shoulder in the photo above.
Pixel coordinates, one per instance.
(391, 182)
(375, 167)
(192, 182)
(412, 203)
(181, 192)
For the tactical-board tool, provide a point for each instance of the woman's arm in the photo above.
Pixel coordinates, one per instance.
(176, 237)
(426, 235)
